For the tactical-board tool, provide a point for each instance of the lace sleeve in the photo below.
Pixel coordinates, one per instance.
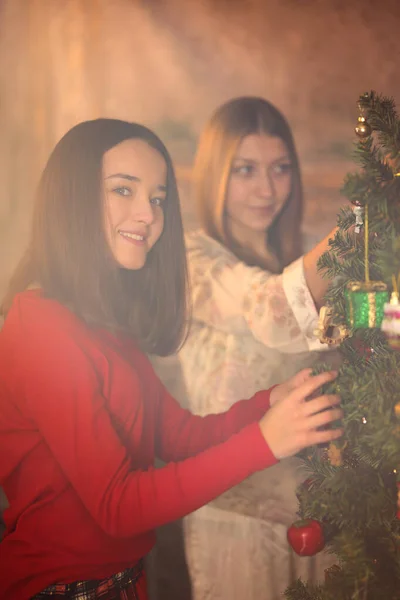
(229, 295)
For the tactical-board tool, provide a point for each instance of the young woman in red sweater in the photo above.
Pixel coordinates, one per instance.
(82, 414)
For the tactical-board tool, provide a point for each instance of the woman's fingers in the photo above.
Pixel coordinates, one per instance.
(301, 377)
(292, 423)
(324, 418)
(313, 383)
(321, 403)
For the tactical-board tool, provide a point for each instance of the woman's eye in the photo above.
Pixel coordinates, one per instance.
(243, 170)
(282, 168)
(157, 201)
(123, 191)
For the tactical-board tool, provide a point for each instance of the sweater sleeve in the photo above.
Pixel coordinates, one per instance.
(60, 392)
(181, 434)
(227, 293)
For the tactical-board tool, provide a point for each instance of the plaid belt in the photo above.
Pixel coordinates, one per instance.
(121, 586)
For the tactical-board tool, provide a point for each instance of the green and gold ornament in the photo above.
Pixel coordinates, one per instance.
(365, 300)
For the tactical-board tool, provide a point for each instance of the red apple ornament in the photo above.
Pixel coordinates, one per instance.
(306, 537)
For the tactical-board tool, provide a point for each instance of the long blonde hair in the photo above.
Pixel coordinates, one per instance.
(218, 144)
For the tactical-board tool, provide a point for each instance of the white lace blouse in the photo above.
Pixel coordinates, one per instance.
(250, 328)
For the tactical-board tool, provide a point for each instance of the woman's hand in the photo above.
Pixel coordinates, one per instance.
(294, 423)
(283, 389)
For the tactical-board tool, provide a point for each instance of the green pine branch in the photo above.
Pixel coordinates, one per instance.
(352, 484)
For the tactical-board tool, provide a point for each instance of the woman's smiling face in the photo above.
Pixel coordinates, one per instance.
(134, 180)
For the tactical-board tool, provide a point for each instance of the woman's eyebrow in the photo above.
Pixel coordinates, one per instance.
(162, 188)
(248, 160)
(254, 162)
(123, 176)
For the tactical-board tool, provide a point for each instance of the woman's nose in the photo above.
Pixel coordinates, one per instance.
(142, 209)
(265, 186)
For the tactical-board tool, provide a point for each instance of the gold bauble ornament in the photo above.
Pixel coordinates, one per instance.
(363, 128)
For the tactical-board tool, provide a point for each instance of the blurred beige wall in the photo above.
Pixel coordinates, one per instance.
(168, 64)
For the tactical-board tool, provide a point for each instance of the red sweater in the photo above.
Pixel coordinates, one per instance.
(82, 418)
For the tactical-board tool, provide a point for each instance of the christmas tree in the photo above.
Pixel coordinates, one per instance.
(350, 503)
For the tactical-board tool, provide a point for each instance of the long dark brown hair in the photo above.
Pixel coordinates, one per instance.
(218, 144)
(68, 256)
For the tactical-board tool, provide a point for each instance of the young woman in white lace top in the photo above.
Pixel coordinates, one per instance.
(255, 307)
